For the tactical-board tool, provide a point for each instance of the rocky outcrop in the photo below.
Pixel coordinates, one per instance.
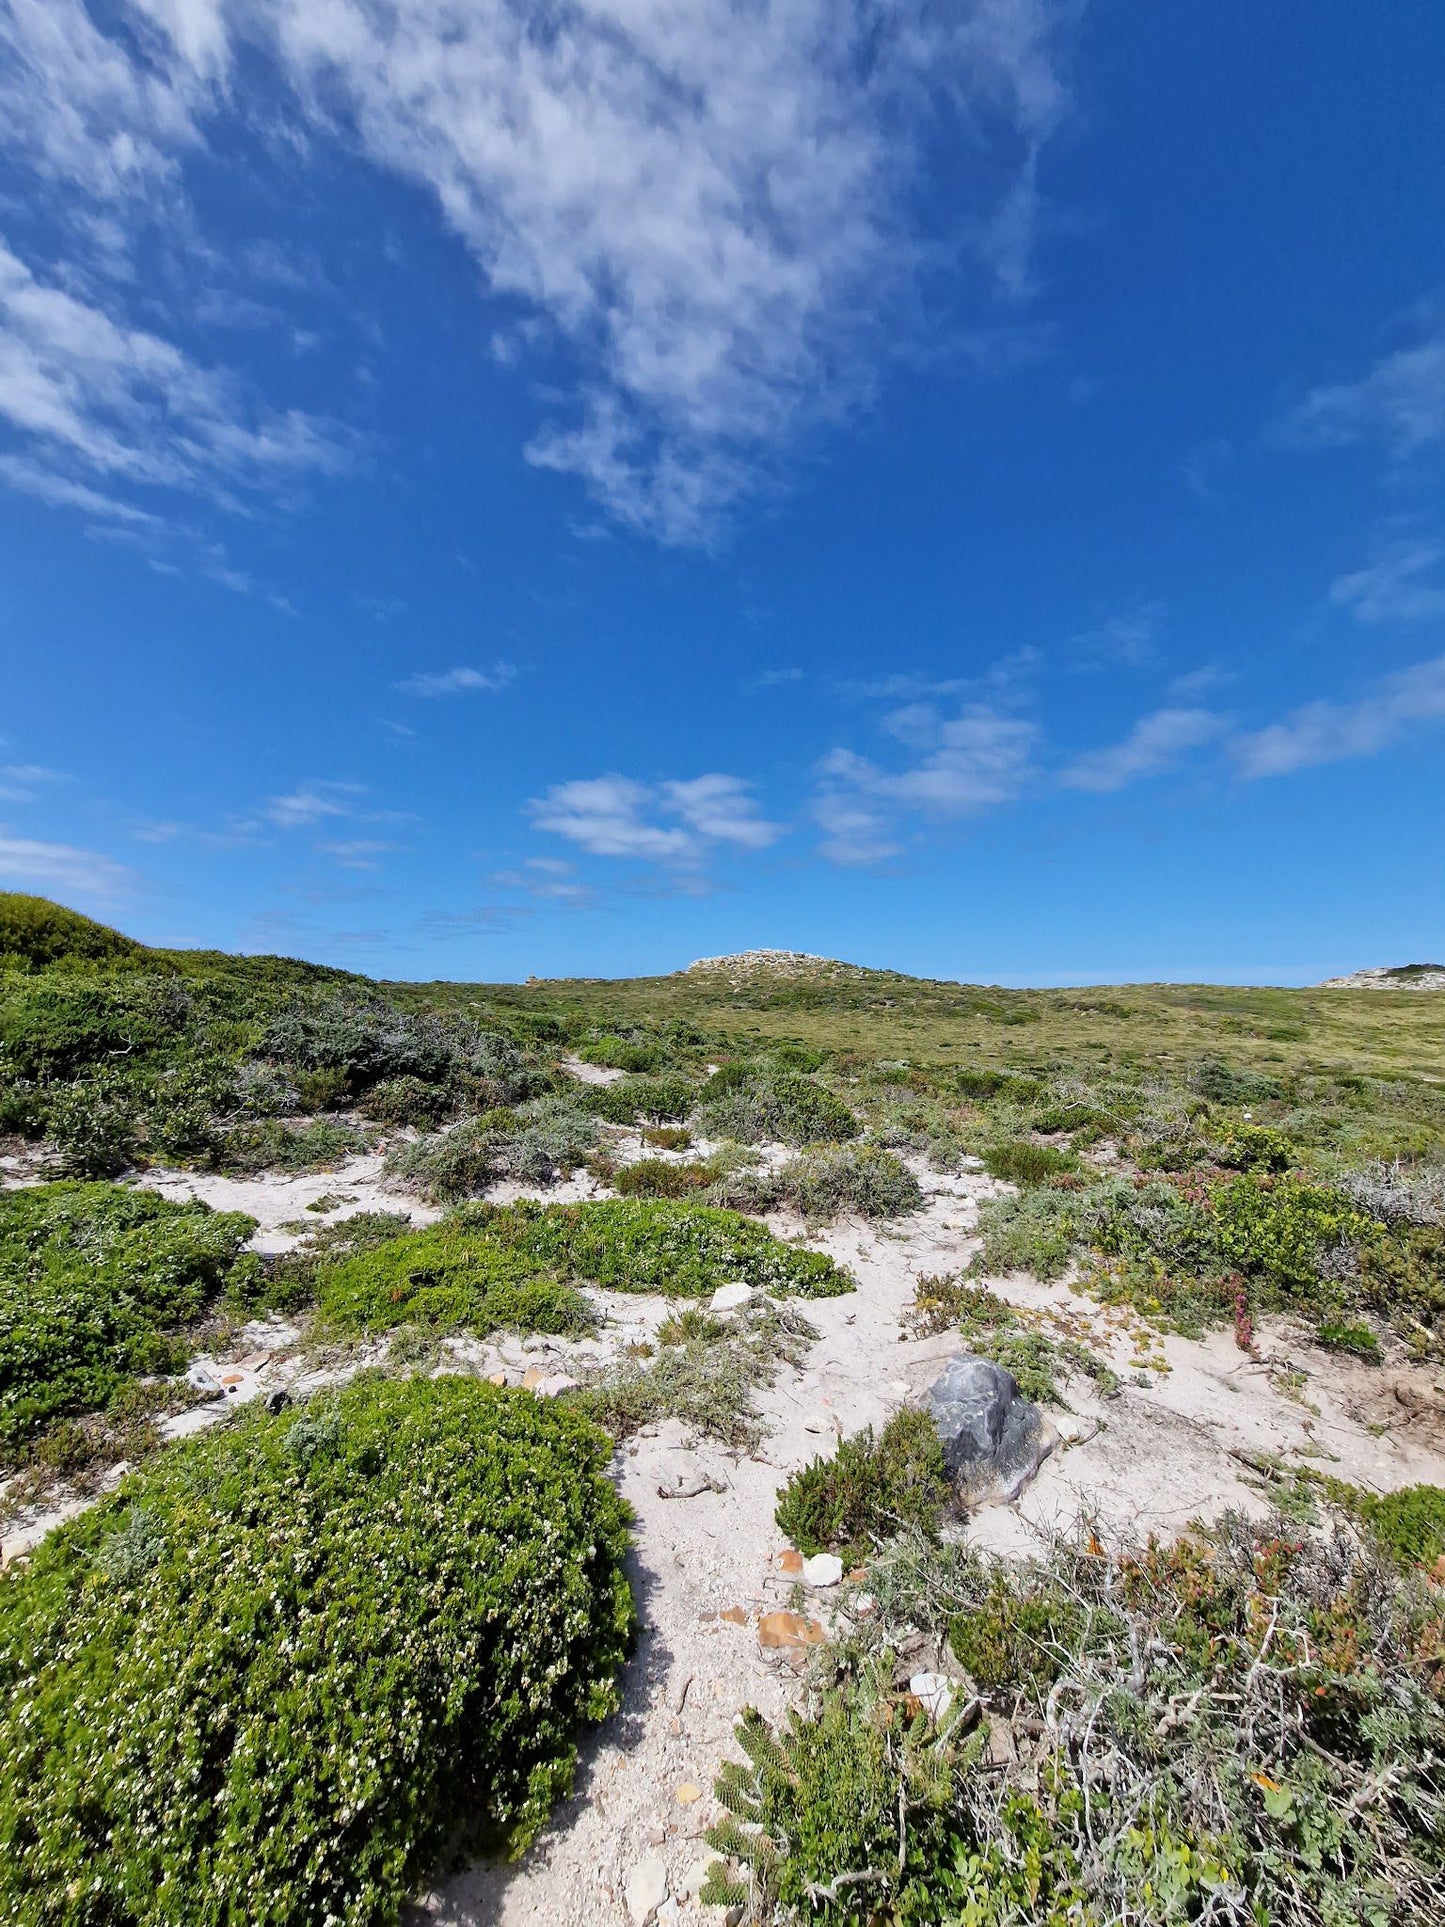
(994, 1439)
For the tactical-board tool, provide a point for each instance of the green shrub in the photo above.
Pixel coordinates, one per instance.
(667, 1137)
(1254, 1147)
(869, 1490)
(36, 932)
(448, 1278)
(663, 1178)
(1021, 1161)
(655, 1100)
(59, 1024)
(530, 1145)
(298, 1662)
(1280, 1229)
(96, 1284)
(1409, 1525)
(1034, 1231)
(1241, 1730)
(1351, 1335)
(773, 1106)
(858, 1178)
(270, 1144)
(678, 1249)
(622, 1054)
(409, 1101)
(991, 1328)
(1003, 1084)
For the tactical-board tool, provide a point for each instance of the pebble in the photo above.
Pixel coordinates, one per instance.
(784, 1630)
(934, 1693)
(790, 1561)
(646, 1890)
(731, 1297)
(898, 1384)
(734, 1615)
(823, 1569)
(687, 1793)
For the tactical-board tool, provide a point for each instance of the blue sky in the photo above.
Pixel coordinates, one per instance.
(489, 489)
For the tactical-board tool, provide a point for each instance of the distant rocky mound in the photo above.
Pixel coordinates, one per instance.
(773, 963)
(1416, 976)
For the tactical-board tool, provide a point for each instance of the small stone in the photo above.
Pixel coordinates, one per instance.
(696, 1874)
(497, 1378)
(816, 1422)
(864, 1606)
(823, 1569)
(934, 1693)
(899, 1385)
(556, 1382)
(790, 1561)
(687, 1793)
(858, 1573)
(666, 1914)
(646, 1890)
(731, 1297)
(734, 1615)
(656, 1834)
(533, 1377)
(784, 1630)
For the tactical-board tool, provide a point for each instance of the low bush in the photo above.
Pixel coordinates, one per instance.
(773, 1106)
(1034, 1231)
(664, 1178)
(271, 1145)
(859, 1178)
(667, 1137)
(1021, 1161)
(1351, 1335)
(1238, 1729)
(678, 1249)
(297, 1663)
(1408, 1525)
(409, 1101)
(653, 1100)
(703, 1371)
(623, 1054)
(530, 1145)
(871, 1489)
(97, 1283)
(991, 1328)
(448, 1278)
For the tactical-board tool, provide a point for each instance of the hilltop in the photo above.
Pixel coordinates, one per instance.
(1417, 976)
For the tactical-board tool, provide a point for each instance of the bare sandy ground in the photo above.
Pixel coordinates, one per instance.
(1164, 1451)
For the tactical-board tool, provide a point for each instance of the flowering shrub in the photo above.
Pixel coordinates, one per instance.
(297, 1660)
(96, 1281)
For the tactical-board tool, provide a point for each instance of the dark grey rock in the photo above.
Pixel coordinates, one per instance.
(994, 1439)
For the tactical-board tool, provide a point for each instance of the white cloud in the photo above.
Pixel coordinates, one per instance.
(21, 782)
(1126, 638)
(312, 803)
(358, 853)
(1155, 743)
(63, 868)
(708, 206)
(92, 398)
(966, 763)
(459, 682)
(1400, 403)
(1325, 732)
(669, 823)
(1390, 588)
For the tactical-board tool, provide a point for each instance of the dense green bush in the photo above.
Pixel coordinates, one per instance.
(369, 1040)
(1033, 1231)
(96, 1284)
(657, 1245)
(653, 1100)
(35, 932)
(623, 1054)
(269, 1144)
(449, 1278)
(871, 1489)
(1408, 1525)
(58, 1024)
(530, 1144)
(664, 1178)
(298, 1661)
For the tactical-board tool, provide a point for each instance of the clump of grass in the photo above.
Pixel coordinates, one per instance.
(872, 1488)
(1021, 1161)
(667, 1137)
(703, 1372)
(271, 1144)
(664, 1178)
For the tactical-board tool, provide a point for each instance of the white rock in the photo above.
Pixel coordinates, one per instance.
(558, 1382)
(934, 1692)
(732, 1297)
(823, 1569)
(898, 1384)
(666, 1914)
(696, 1874)
(646, 1890)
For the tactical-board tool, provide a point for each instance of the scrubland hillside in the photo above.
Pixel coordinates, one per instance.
(410, 1391)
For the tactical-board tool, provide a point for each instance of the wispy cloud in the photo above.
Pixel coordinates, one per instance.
(1126, 639)
(670, 823)
(104, 409)
(483, 920)
(1395, 586)
(1399, 404)
(973, 761)
(1003, 681)
(23, 782)
(709, 208)
(1328, 732)
(1156, 743)
(775, 679)
(459, 682)
(63, 868)
(312, 803)
(358, 853)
